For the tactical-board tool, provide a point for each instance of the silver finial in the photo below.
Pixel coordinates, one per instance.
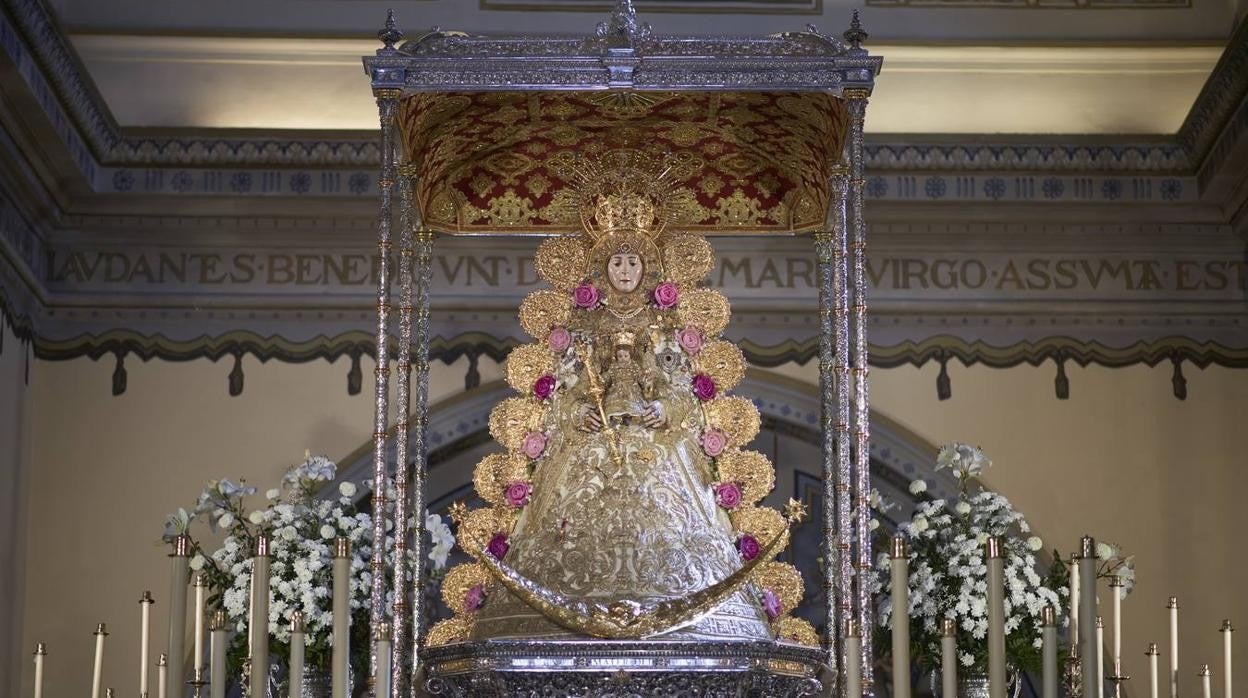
(391, 34)
(855, 35)
(623, 24)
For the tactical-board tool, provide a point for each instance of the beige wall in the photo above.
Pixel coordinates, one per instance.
(15, 397)
(1121, 459)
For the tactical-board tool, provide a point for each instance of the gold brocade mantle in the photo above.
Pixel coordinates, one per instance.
(750, 162)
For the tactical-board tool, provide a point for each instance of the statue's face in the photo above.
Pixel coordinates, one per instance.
(624, 271)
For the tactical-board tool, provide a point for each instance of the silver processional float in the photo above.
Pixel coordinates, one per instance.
(623, 149)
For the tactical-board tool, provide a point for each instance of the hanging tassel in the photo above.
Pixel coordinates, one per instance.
(1061, 384)
(355, 377)
(472, 379)
(1178, 380)
(119, 375)
(236, 376)
(944, 388)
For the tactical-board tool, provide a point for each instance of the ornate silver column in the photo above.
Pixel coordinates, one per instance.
(387, 102)
(423, 273)
(402, 592)
(857, 99)
(830, 250)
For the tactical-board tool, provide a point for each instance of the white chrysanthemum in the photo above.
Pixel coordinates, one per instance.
(226, 520)
(197, 562)
(1105, 551)
(273, 494)
(918, 487)
(328, 532)
(347, 489)
(256, 517)
(919, 524)
(1034, 543)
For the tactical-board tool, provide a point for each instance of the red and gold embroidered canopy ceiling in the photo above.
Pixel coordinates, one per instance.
(497, 162)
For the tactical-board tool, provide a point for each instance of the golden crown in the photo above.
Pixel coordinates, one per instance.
(624, 189)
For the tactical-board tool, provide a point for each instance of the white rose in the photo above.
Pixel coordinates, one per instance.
(328, 532)
(197, 562)
(919, 523)
(1035, 543)
(874, 524)
(963, 508)
(273, 494)
(918, 487)
(256, 517)
(347, 489)
(1104, 551)
(226, 520)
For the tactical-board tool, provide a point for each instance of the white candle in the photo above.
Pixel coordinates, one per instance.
(1100, 657)
(1227, 629)
(949, 657)
(1074, 598)
(381, 645)
(259, 630)
(296, 654)
(996, 618)
(162, 672)
(41, 651)
(1115, 588)
(1048, 617)
(900, 578)
(98, 672)
(216, 655)
(340, 657)
(1174, 646)
(200, 586)
(1152, 670)
(1205, 676)
(853, 660)
(145, 619)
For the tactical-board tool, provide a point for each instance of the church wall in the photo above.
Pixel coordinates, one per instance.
(1121, 459)
(15, 416)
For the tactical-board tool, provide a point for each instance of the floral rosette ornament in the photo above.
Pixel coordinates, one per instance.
(666, 295)
(948, 571)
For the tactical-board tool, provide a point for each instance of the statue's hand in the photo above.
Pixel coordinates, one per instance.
(654, 416)
(590, 421)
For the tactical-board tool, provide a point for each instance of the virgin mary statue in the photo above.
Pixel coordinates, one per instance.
(625, 505)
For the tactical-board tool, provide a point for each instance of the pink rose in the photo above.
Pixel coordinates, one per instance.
(714, 442)
(498, 546)
(534, 444)
(666, 294)
(703, 387)
(690, 339)
(585, 296)
(559, 340)
(771, 604)
(544, 387)
(476, 597)
(746, 545)
(517, 494)
(728, 495)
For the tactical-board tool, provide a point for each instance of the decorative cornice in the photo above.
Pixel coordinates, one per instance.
(48, 46)
(883, 155)
(940, 348)
(1219, 98)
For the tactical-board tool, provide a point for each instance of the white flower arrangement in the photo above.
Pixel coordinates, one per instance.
(301, 530)
(948, 571)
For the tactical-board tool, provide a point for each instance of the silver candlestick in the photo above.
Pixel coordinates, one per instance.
(197, 683)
